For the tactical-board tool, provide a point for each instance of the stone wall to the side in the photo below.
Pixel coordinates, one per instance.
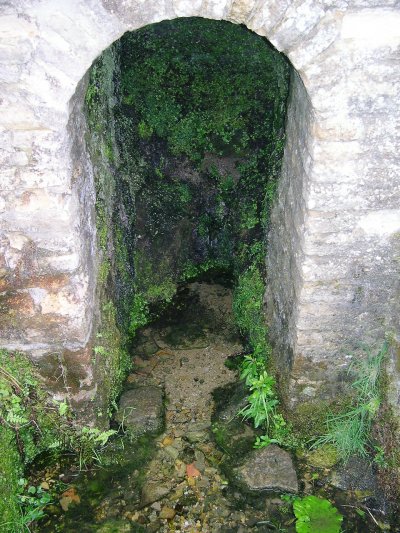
(47, 252)
(285, 243)
(348, 303)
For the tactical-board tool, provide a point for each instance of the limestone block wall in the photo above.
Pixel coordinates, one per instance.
(333, 268)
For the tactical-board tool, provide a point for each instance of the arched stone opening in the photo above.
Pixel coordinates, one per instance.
(334, 281)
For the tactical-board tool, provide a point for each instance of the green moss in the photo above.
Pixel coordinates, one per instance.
(109, 151)
(248, 310)
(104, 271)
(139, 313)
(308, 419)
(121, 255)
(153, 279)
(192, 270)
(102, 229)
(162, 292)
(324, 457)
(112, 357)
(10, 472)
(201, 98)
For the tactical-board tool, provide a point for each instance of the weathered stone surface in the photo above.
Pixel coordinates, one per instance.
(141, 409)
(152, 492)
(356, 474)
(268, 469)
(333, 270)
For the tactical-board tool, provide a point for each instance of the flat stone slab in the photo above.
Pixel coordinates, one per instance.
(268, 469)
(141, 410)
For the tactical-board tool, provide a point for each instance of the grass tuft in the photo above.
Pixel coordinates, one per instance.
(350, 431)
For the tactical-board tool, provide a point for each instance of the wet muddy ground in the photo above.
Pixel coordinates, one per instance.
(178, 481)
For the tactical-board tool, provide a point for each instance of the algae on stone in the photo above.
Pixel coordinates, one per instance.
(10, 472)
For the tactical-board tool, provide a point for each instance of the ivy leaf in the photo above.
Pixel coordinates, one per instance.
(316, 514)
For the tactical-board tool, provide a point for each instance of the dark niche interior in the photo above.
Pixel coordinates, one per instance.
(186, 131)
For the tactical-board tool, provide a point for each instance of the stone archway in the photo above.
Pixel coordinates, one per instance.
(334, 238)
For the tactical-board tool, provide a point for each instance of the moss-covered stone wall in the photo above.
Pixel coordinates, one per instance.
(186, 133)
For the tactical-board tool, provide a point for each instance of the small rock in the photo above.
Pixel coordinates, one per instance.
(178, 444)
(153, 527)
(178, 432)
(167, 513)
(180, 468)
(153, 492)
(177, 494)
(139, 362)
(203, 483)
(172, 452)
(69, 497)
(167, 441)
(230, 400)
(200, 460)
(268, 469)
(191, 471)
(44, 485)
(156, 506)
(141, 410)
(196, 436)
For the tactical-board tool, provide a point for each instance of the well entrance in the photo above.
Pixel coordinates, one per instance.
(333, 273)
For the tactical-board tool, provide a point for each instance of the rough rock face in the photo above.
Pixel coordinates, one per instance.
(141, 410)
(268, 469)
(334, 241)
(357, 474)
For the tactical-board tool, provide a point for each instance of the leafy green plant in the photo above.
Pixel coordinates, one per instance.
(32, 422)
(63, 407)
(248, 310)
(251, 368)
(33, 501)
(380, 458)
(139, 313)
(316, 515)
(91, 441)
(262, 400)
(350, 431)
(263, 441)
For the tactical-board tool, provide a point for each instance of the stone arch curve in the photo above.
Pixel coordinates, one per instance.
(333, 275)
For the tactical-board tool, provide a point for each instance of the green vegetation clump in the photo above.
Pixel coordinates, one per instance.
(316, 514)
(10, 472)
(262, 403)
(31, 423)
(112, 360)
(249, 314)
(203, 86)
(350, 431)
(325, 456)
